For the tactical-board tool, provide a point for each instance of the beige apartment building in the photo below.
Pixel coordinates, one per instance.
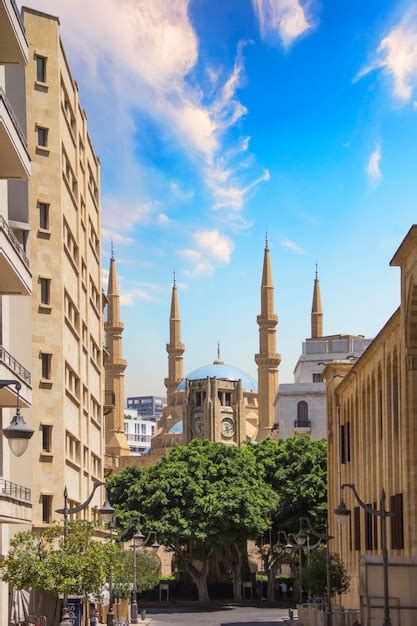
(67, 312)
(372, 443)
(15, 278)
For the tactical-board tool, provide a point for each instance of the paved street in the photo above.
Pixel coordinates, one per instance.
(217, 616)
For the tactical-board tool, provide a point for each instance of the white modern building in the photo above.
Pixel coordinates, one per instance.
(300, 407)
(139, 431)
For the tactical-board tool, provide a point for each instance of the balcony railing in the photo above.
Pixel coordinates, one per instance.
(17, 492)
(14, 241)
(10, 362)
(10, 111)
(137, 437)
(302, 424)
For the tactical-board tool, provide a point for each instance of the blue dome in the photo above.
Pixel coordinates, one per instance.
(221, 370)
(177, 429)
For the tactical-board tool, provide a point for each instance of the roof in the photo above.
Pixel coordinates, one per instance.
(222, 371)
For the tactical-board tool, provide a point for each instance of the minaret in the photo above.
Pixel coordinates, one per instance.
(267, 359)
(115, 365)
(174, 348)
(316, 310)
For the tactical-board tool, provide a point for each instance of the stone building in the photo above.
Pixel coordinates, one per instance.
(372, 443)
(300, 407)
(67, 318)
(15, 280)
(219, 402)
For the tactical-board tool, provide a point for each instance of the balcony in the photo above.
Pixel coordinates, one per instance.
(302, 427)
(15, 503)
(15, 276)
(11, 369)
(13, 44)
(14, 156)
(109, 401)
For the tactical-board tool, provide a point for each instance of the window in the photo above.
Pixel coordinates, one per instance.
(46, 438)
(95, 410)
(42, 136)
(43, 215)
(397, 522)
(95, 466)
(345, 442)
(371, 529)
(228, 399)
(302, 411)
(46, 360)
(71, 312)
(70, 244)
(72, 381)
(317, 378)
(40, 68)
(357, 527)
(46, 508)
(45, 284)
(72, 447)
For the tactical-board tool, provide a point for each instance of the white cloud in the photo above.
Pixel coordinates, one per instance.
(180, 193)
(283, 19)
(153, 72)
(109, 235)
(291, 245)
(190, 254)
(372, 168)
(163, 220)
(104, 277)
(128, 298)
(214, 244)
(122, 216)
(200, 270)
(397, 55)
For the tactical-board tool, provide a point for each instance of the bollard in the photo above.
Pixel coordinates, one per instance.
(290, 614)
(143, 615)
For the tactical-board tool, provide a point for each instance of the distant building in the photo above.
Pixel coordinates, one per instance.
(300, 407)
(139, 432)
(147, 406)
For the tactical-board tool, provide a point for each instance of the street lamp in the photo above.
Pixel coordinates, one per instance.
(18, 432)
(139, 541)
(325, 538)
(110, 613)
(342, 514)
(106, 511)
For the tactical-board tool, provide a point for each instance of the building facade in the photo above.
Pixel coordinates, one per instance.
(139, 432)
(15, 279)
(147, 406)
(372, 443)
(67, 318)
(300, 407)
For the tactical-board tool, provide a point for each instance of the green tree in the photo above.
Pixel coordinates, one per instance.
(48, 562)
(296, 469)
(199, 498)
(315, 574)
(147, 573)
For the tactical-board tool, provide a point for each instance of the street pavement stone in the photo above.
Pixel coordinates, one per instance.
(218, 616)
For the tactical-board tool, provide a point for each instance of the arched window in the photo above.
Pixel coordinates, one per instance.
(302, 411)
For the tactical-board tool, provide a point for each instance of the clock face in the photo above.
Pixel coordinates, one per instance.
(228, 427)
(198, 426)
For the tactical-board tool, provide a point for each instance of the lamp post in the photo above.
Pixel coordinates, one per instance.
(139, 541)
(342, 514)
(290, 548)
(301, 538)
(106, 512)
(110, 614)
(18, 432)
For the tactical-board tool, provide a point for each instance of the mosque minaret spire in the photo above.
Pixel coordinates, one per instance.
(174, 348)
(267, 359)
(316, 310)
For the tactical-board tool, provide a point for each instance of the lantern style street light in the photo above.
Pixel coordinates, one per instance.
(301, 538)
(18, 432)
(139, 541)
(106, 512)
(342, 514)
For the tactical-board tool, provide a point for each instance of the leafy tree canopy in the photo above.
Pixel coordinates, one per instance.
(48, 562)
(296, 469)
(315, 577)
(147, 573)
(205, 492)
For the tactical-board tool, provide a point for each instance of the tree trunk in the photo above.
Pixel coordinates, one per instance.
(233, 558)
(200, 580)
(271, 573)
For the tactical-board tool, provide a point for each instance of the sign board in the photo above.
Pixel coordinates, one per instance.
(75, 611)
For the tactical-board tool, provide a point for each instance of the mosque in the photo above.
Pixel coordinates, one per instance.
(220, 402)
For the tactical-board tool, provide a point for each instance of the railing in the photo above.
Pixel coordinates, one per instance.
(17, 492)
(10, 362)
(14, 241)
(138, 437)
(10, 111)
(302, 424)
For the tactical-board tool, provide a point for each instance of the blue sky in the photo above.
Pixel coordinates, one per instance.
(215, 120)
